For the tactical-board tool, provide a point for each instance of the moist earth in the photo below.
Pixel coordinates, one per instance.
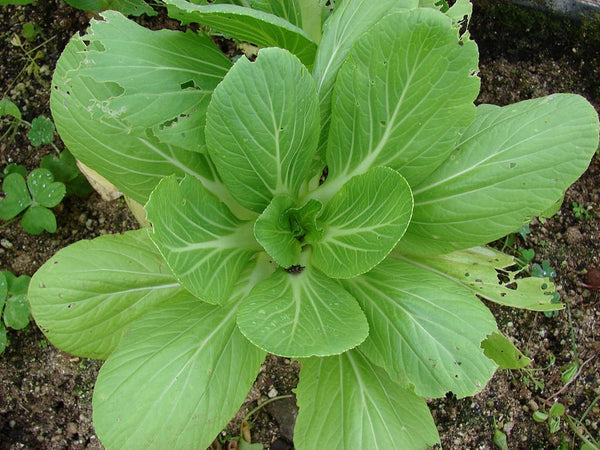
(45, 394)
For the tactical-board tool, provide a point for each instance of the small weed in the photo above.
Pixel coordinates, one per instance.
(14, 306)
(580, 211)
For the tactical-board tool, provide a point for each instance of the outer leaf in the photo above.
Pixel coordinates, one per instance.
(127, 7)
(302, 314)
(362, 223)
(205, 245)
(424, 330)
(263, 146)
(352, 18)
(196, 369)
(167, 77)
(347, 402)
(498, 348)
(403, 95)
(134, 163)
(478, 269)
(44, 190)
(85, 297)
(512, 163)
(41, 131)
(37, 219)
(245, 24)
(289, 10)
(17, 196)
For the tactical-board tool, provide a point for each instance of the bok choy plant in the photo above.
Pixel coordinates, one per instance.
(328, 202)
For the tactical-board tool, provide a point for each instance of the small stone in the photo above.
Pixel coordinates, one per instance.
(533, 405)
(72, 428)
(574, 235)
(6, 243)
(272, 392)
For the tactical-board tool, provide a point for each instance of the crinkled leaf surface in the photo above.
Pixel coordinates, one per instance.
(362, 223)
(348, 402)
(37, 219)
(262, 127)
(133, 162)
(302, 314)
(205, 245)
(167, 77)
(351, 19)
(424, 330)
(402, 96)
(178, 376)
(502, 351)
(17, 196)
(127, 7)
(41, 131)
(511, 163)
(44, 190)
(246, 24)
(85, 297)
(478, 269)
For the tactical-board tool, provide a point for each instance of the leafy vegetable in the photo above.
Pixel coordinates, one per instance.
(329, 202)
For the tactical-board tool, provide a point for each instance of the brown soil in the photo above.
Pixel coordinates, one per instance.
(45, 394)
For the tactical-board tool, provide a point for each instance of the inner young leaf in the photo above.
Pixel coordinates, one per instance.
(283, 230)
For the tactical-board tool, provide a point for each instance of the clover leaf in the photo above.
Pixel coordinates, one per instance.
(36, 196)
(41, 131)
(14, 306)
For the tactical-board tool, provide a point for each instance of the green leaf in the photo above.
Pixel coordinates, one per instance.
(85, 297)
(362, 223)
(511, 163)
(263, 146)
(491, 275)
(347, 402)
(302, 314)
(37, 219)
(16, 2)
(196, 369)
(205, 245)
(134, 162)
(15, 168)
(16, 312)
(351, 19)
(402, 97)
(8, 108)
(289, 10)
(41, 131)
(17, 196)
(44, 190)
(127, 7)
(3, 290)
(167, 77)
(64, 168)
(3, 336)
(498, 348)
(273, 231)
(16, 285)
(246, 24)
(424, 330)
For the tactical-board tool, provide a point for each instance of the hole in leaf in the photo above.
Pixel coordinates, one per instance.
(295, 270)
(190, 84)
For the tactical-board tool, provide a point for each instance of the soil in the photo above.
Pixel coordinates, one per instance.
(45, 394)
